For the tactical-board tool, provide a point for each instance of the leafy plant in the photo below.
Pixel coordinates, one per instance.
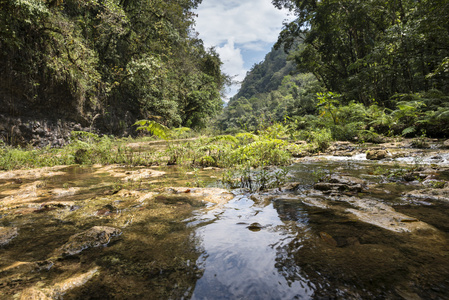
(153, 127)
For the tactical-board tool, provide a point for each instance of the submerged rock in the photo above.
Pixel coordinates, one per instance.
(7, 234)
(33, 294)
(59, 289)
(94, 237)
(213, 195)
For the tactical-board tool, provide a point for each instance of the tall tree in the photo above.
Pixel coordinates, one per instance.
(370, 50)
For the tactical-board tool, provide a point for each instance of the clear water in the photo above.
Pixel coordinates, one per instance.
(257, 246)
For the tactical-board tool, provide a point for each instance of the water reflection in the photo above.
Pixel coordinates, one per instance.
(239, 263)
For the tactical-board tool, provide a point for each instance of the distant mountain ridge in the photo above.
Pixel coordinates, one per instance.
(267, 75)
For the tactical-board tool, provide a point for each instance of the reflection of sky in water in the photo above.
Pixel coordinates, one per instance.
(239, 263)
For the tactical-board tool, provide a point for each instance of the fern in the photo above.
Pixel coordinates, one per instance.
(153, 127)
(408, 130)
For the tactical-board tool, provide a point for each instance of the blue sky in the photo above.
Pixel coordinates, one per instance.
(242, 32)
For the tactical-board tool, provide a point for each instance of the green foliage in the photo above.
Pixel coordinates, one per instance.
(369, 51)
(119, 60)
(153, 127)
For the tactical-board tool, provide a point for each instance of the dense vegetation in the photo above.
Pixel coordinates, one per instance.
(270, 92)
(363, 68)
(107, 63)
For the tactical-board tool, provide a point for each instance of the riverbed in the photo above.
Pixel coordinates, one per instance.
(343, 227)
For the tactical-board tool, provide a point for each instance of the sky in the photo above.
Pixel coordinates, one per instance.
(242, 32)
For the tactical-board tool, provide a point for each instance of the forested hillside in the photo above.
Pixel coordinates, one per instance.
(369, 51)
(106, 63)
(363, 68)
(271, 91)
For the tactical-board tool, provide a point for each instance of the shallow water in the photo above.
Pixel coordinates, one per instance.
(272, 245)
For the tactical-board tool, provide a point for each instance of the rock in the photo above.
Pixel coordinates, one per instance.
(94, 237)
(255, 227)
(290, 186)
(377, 154)
(26, 267)
(375, 212)
(58, 290)
(341, 183)
(328, 239)
(446, 144)
(440, 194)
(213, 195)
(7, 234)
(33, 294)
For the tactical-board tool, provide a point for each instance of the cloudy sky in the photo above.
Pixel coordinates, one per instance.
(242, 31)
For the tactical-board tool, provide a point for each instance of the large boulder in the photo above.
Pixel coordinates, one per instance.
(377, 154)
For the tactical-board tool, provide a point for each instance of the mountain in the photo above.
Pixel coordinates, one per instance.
(271, 91)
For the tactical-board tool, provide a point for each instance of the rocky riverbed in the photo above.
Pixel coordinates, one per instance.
(346, 225)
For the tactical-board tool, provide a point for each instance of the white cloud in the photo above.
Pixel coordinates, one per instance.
(232, 60)
(234, 26)
(245, 21)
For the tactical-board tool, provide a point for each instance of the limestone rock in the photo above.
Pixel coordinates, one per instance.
(7, 234)
(439, 194)
(213, 195)
(33, 294)
(377, 154)
(94, 237)
(341, 183)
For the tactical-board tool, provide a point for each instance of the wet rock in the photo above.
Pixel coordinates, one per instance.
(213, 195)
(341, 183)
(441, 194)
(106, 210)
(290, 187)
(141, 174)
(33, 174)
(328, 239)
(255, 227)
(7, 234)
(65, 192)
(94, 237)
(375, 212)
(20, 270)
(432, 183)
(446, 144)
(58, 290)
(377, 154)
(33, 294)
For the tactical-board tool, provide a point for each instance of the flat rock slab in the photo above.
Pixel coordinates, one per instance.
(213, 195)
(341, 183)
(94, 237)
(59, 289)
(430, 194)
(7, 234)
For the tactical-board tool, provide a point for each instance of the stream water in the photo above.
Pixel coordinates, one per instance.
(291, 244)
